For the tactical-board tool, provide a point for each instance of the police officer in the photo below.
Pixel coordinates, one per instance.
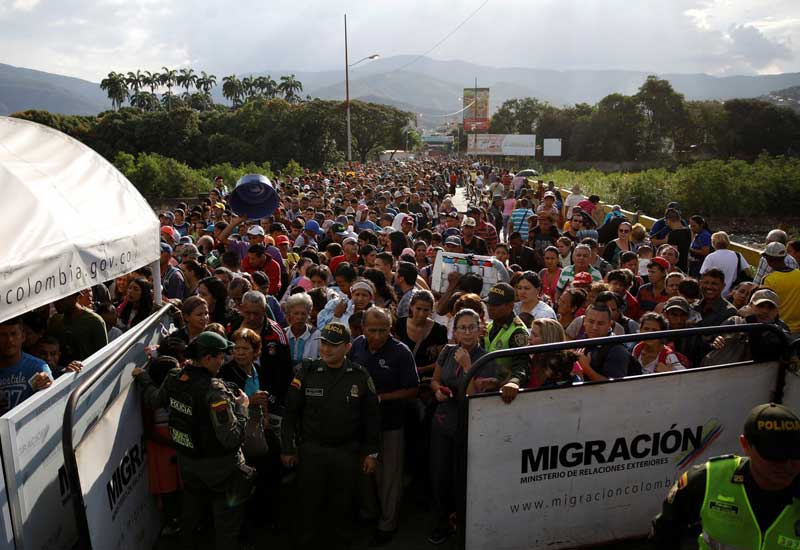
(505, 330)
(207, 426)
(743, 503)
(331, 425)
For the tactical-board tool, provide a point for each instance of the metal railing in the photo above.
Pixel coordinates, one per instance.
(67, 438)
(787, 348)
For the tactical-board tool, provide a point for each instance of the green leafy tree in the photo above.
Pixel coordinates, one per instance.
(664, 114)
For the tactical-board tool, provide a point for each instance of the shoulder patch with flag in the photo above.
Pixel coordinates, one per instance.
(296, 384)
(221, 411)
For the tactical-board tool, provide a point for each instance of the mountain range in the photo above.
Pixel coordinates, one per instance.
(422, 85)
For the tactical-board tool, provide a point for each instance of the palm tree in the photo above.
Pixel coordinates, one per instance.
(270, 87)
(135, 80)
(151, 80)
(232, 89)
(248, 87)
(206, 82)
(116, 88)
(168, 78)
(290, 87)
(186, 79)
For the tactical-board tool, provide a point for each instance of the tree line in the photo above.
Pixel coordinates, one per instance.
(312, 133)
(657, 122)
(140, 89)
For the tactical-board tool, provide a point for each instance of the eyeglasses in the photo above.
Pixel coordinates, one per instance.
(624, 230)
(577, 221)
(468, 329)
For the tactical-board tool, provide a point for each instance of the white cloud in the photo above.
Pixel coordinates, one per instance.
(88, 38)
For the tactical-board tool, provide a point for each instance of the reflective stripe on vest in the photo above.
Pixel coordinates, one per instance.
(728, 520)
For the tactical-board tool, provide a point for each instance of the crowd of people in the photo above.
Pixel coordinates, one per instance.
(321, 341)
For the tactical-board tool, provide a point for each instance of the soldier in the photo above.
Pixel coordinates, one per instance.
(741, 502)
(331, 424)
(207, 425)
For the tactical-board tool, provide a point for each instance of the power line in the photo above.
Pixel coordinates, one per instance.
(452, 114)
(440, 42)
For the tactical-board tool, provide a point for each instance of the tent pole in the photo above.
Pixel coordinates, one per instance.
(157, 292)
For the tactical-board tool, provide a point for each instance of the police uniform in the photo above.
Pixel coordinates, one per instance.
(331, 424)
(207, 428)
(722, 500)
(505, 334)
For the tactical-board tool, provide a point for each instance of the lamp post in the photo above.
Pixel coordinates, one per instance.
(347, 66)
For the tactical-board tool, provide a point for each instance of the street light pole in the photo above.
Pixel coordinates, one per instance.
(347, 92)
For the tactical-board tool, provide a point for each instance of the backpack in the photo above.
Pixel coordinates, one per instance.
(634, 366)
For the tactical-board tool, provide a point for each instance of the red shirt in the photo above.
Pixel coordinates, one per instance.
(271, 268)
(336, 260)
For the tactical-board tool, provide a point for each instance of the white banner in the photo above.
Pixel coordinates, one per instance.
(447, 262)
(551, 147)
(112, 462)
(592, 463)
(521, 145)
(33, 461)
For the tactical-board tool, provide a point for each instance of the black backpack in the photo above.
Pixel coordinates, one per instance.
(634, 366)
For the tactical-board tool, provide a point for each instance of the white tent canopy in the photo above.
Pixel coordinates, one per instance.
(69, 219)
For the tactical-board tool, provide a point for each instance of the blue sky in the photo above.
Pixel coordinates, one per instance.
(88, 38)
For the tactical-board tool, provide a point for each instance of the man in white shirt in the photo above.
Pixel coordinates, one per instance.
(575, 197)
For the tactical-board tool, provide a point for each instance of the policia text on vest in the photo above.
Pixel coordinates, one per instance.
(737, 502)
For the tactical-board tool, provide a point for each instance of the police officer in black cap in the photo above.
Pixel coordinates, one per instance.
(330, 428)
(741, 502)
(207, 426)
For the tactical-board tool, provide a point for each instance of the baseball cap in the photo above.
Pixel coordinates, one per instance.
(189, 250)
(388, 230)
(775, 250)
(501, 293)
(453, 240)
(453, 214)
(335, 333)
(774, 430)
(166, 248)
(549, 194)
(469, 222)
(219, 205)
(350, 240)
(398, 194)
(211, 342)
(659, 261)
(312, 225)
(765, 295)
(677, 302)
(674, 205)
(339, 229)
(582, 278)
(473, 210)
(282, 239)
(256, 230)
(169, 215)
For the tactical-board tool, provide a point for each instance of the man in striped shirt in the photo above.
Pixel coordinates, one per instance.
(483, 230)
(580, 263)
(519, 218)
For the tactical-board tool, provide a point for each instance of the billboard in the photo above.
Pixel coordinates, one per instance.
(519, 145)
(552, 147)
(476, 112)
(604, 456)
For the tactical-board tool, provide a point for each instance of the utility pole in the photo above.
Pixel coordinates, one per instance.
(347, 93)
